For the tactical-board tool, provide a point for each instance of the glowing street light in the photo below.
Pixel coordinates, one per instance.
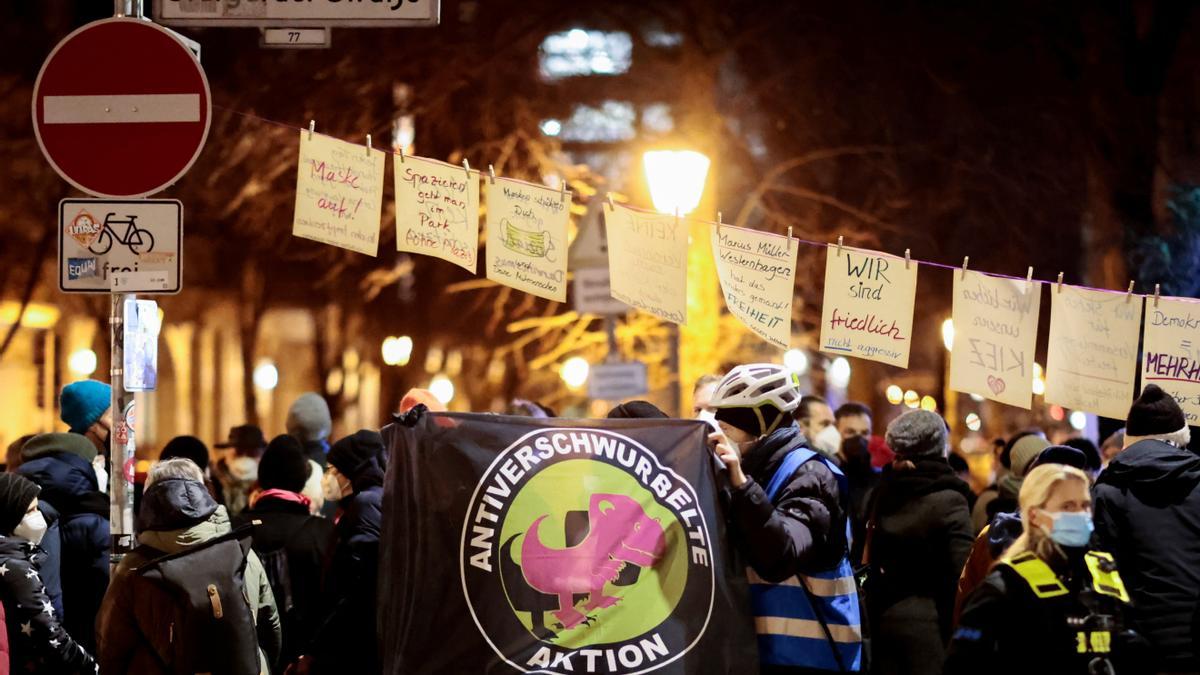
(676, 179)
(928, 403)
(796, 361)
(1078, 420)
(839, 373)
(574, 372)
(912, 399)
(895, 395)
(948, 334)
(973, 422)
(397, 350)
(1039, 380)
(266, 375)
(442, 389)
(82, 362)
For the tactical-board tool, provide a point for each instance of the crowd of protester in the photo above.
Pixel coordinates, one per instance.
(865, 551)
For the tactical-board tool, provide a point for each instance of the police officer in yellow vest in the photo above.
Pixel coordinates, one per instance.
(1050, 605)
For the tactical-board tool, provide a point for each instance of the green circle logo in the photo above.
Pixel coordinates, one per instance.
(581, 553)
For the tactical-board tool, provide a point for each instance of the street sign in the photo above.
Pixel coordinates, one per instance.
(141, 345)
(295, 38)
(616, 381)
(592, 294)
(121, 108)
(312, 13)
(107, 246)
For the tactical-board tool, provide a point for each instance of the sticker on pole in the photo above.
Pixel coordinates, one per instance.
(107, 246)
(141, 345)
(121, 108)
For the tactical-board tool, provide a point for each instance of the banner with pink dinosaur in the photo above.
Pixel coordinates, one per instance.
(519, 545)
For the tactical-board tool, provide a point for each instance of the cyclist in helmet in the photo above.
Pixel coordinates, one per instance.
(787, 511)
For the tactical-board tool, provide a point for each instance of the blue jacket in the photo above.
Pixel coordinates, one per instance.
(69, 485)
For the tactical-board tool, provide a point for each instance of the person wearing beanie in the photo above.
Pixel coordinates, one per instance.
(636, 410)
(178, 513)
(1147, 514)
(37, 642)
(291, 541)
(918, 539)
(1020, 451)
(309, 421)
(73, 497)
(346, 639)
(190, 447)
(787, 516)
(85, 408)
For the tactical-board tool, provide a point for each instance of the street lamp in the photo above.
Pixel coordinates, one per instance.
(676, 179)
(948, 334)
(442, 389)
(574, 372)
(82, 362)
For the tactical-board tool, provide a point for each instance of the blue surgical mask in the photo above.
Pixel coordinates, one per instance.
(1071, 529)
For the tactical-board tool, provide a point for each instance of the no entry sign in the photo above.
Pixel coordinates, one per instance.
(121, 108)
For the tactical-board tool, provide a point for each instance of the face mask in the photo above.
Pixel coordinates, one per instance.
(101, 474)
(331, 487)
(1071, 529)
(828, 441)
(32, 527)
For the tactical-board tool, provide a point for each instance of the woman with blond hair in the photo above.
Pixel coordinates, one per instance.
(1050, 604)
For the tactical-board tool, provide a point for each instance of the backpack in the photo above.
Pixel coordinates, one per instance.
(213, 630)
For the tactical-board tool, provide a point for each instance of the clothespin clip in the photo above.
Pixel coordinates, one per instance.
(1156, 289)
(907, 258)
(368, 145)
(401, 154)
(1129, 293)
(491, 173)
(312, 126)
(1060, 278)
(562, 183)
(467, 166)
(789, 235)
(1029, 279)
(720, 222)
(966, 263)
(840, 240)
(611, 203)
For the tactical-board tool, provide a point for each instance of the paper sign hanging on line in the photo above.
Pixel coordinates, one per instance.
(339, 193)
(437, 210)
(647, 261)
(757, 272)
(1171, 352)
(868, 307)
(527, 237)
(1091, 363)
(995, 332)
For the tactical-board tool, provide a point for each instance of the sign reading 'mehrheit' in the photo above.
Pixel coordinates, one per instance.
(268, 13)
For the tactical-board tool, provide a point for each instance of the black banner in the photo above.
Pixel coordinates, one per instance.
(557, 546)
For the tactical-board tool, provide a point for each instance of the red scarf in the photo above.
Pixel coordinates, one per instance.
(285, 495)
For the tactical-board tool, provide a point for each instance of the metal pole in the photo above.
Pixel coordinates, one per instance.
(130, 8)
(122, 444)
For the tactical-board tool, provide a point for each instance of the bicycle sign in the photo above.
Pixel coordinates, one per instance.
(112, 246)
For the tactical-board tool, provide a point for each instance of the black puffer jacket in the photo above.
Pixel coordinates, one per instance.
(37, 641)
(922, 536)
(1147, 512)
(805, 531)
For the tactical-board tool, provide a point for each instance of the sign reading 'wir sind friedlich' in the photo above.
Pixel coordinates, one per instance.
(868, 308)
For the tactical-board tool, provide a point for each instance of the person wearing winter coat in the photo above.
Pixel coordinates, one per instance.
(238, 470)
(85, 407)
(1052, 605)
(136, 629)
(787, 513)
(1148, 517)
(292, 544)
(36, 641)
(1002, 497)
(62, 465)
(918, 539)
(347, 640)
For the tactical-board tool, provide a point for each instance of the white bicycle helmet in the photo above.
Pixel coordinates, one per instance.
(755, 384)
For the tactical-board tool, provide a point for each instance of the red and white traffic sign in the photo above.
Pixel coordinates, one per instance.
(121, 108)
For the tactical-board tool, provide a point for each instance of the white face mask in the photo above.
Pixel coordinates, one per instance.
(32, 527)
(828, 441)
(331, 487)
(101, 474)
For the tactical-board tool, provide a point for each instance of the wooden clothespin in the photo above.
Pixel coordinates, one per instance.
(907, 258)
(491, 173)
(789, 235)
(1029, 279)
(467, 166)
(611, 203)
(840, 240)
(401, 154)
(720, 222)
(1060, 278)
(312, 126)
(966, 264)
(1129, 293)
(1157, 287)
(562, 184)
(368, 145)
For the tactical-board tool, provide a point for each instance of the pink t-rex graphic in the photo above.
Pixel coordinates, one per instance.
(619, 532)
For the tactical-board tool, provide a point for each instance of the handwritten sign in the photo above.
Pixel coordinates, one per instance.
(868, 308)
(995, 330)
(437, 210)
(757, 272)
(339, 193)
(647, 261)
(527, 237)
(1092, 359)
(1171, 356)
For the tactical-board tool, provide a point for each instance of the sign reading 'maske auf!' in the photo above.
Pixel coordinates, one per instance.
(268, 13)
